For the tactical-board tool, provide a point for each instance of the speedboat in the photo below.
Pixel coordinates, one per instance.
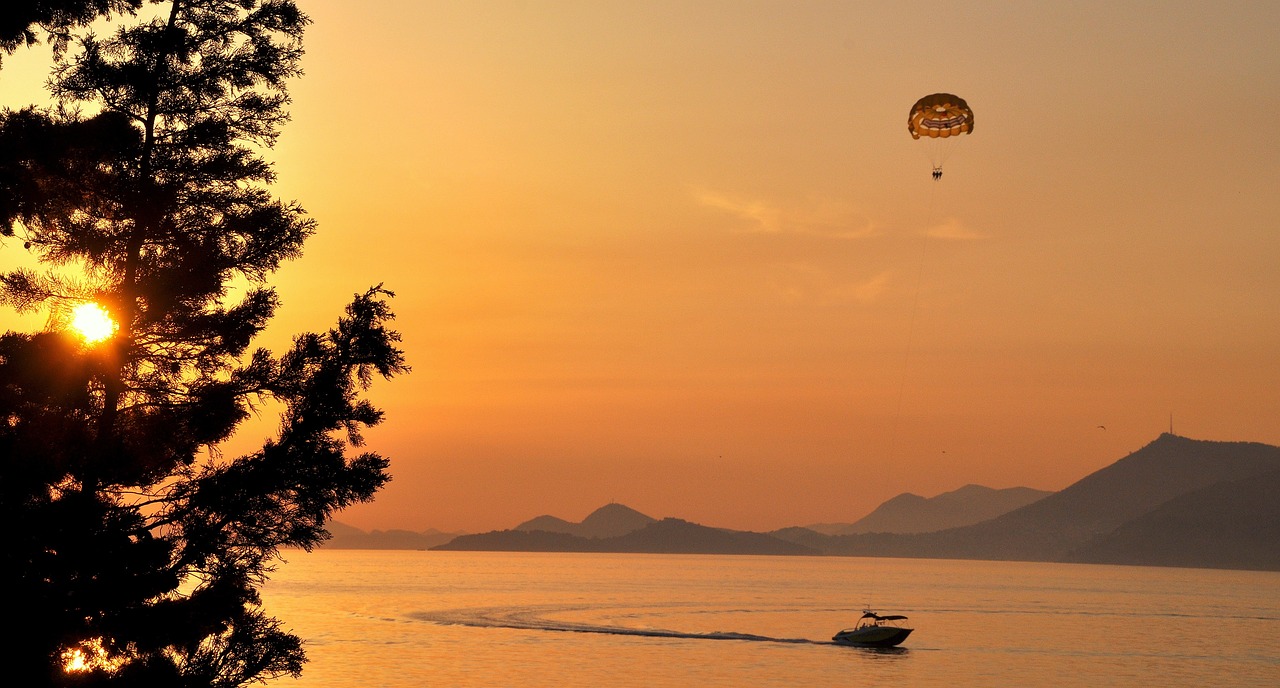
(874, 630)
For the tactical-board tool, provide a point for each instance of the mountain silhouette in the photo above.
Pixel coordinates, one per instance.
(548, 524)
(1174, 502)
(1054, 527)
(1234, 524)
(1102, 501)
(676, 536)
(610, 520)
(911, 513)
(520, 541)
(668, 536)
(350, 537)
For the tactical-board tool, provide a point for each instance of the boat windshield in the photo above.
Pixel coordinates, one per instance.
(870, 618)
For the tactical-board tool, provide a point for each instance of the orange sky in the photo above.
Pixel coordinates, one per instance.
(685, 256)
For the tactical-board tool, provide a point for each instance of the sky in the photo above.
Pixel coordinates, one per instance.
(685, 256)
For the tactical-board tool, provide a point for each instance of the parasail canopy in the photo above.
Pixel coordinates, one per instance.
(939, 116)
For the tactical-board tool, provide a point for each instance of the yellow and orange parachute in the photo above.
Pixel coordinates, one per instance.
(939, 116)
(940, 119)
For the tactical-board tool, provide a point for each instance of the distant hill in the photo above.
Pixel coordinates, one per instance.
(519, 541)
(548, 524)
(610, 520)
(349, 537)
(1174, 502)
(668, 536)
(676, 536)
(1102, 501)
(1192, 530)
(827, 528)
(910, 513)
(1054, 527)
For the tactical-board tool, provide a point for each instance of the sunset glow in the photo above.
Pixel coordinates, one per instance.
(92, 323)
(87, 656)
(665, 344)
(686, 256)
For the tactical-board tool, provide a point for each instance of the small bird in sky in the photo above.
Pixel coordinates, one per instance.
(1102, 427)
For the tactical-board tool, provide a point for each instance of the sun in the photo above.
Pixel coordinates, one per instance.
(92, 323)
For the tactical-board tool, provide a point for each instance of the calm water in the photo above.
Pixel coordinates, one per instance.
(401, 618)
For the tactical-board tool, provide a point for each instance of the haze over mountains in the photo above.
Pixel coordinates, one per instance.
(1174, 502)
(665, 536)
(348, 537)
(911, 513)
(1162, 494)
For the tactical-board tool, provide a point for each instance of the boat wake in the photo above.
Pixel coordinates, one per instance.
(535, 619)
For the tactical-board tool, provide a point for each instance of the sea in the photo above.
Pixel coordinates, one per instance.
(534, 620)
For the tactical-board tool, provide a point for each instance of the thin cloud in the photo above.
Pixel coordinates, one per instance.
(766, 218)
(798, 282)
(953, 230)
(816, 216)
(868, 290)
